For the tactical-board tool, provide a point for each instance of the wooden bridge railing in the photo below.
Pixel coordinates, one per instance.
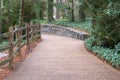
(15, 36)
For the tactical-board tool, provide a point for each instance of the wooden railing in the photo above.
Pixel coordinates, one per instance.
(15, 37)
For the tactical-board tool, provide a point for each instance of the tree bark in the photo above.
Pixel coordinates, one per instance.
(22, 15)
(1, 15)
(57, 11)
(21, 12)
(72, 12)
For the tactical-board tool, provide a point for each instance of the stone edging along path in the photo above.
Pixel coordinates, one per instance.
(63, 31)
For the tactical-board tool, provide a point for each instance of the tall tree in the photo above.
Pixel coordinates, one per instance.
(50, 11)
(57, 10)
(22, 15)
(21, 12)
(1, 6)
(81, 14)
(72, 11)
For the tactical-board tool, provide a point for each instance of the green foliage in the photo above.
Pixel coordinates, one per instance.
(4, 44)
(40, 8)
(11, 12)
(117, 48)
(86, 25)
(62, 6)
(112, 56)
(50, 10)
(39, 21)
(105, 37)
(82, 6)
(29, 12)
(106, 21)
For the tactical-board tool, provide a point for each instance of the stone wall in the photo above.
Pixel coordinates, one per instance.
(63, 31)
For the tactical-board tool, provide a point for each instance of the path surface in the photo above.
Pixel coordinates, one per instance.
(61, 58)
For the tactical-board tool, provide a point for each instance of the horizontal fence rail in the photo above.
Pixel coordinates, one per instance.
(17, 38)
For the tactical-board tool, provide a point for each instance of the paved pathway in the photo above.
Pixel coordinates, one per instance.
(61, 58)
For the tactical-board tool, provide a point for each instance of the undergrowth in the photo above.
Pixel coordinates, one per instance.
(3, 44)
(77, 25)
(112, 56)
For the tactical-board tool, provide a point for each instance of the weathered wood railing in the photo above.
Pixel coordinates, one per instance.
(15, 37)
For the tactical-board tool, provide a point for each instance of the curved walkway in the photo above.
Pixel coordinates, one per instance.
(61, 58)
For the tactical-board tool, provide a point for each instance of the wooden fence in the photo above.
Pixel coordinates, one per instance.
(15, 36)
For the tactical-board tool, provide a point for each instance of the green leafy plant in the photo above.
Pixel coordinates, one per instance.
(105, 21)
(117, 48)
(4, 44)
(86, 25)
(112, 56)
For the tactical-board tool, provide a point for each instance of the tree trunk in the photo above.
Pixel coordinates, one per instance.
(0, 27)
(41, 15)
(22, 15)
(57, 11)
(81, 15)
(50, 11)
(9, 15)
(1, 3)
(41, 9)
(21, 12)
(72, 12)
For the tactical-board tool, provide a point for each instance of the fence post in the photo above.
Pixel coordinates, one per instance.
(39, 26)
(16, 35)
(32, 34)
(19, 41)
(11, 42)
(27, 37)
(35, 31)
(38, 31)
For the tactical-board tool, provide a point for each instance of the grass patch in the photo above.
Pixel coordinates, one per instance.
(40, 21)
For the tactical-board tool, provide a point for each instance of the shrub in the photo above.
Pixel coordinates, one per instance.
(4, 44)
(106, 21)
(86, 25)
(112, 56)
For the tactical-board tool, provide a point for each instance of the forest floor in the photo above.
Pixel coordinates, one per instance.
(62, 58)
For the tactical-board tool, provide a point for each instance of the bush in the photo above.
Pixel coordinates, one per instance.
(106, 21)
(107, 30)
(4, 44)
(112, 56)
(81, 26)
(117, 48)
